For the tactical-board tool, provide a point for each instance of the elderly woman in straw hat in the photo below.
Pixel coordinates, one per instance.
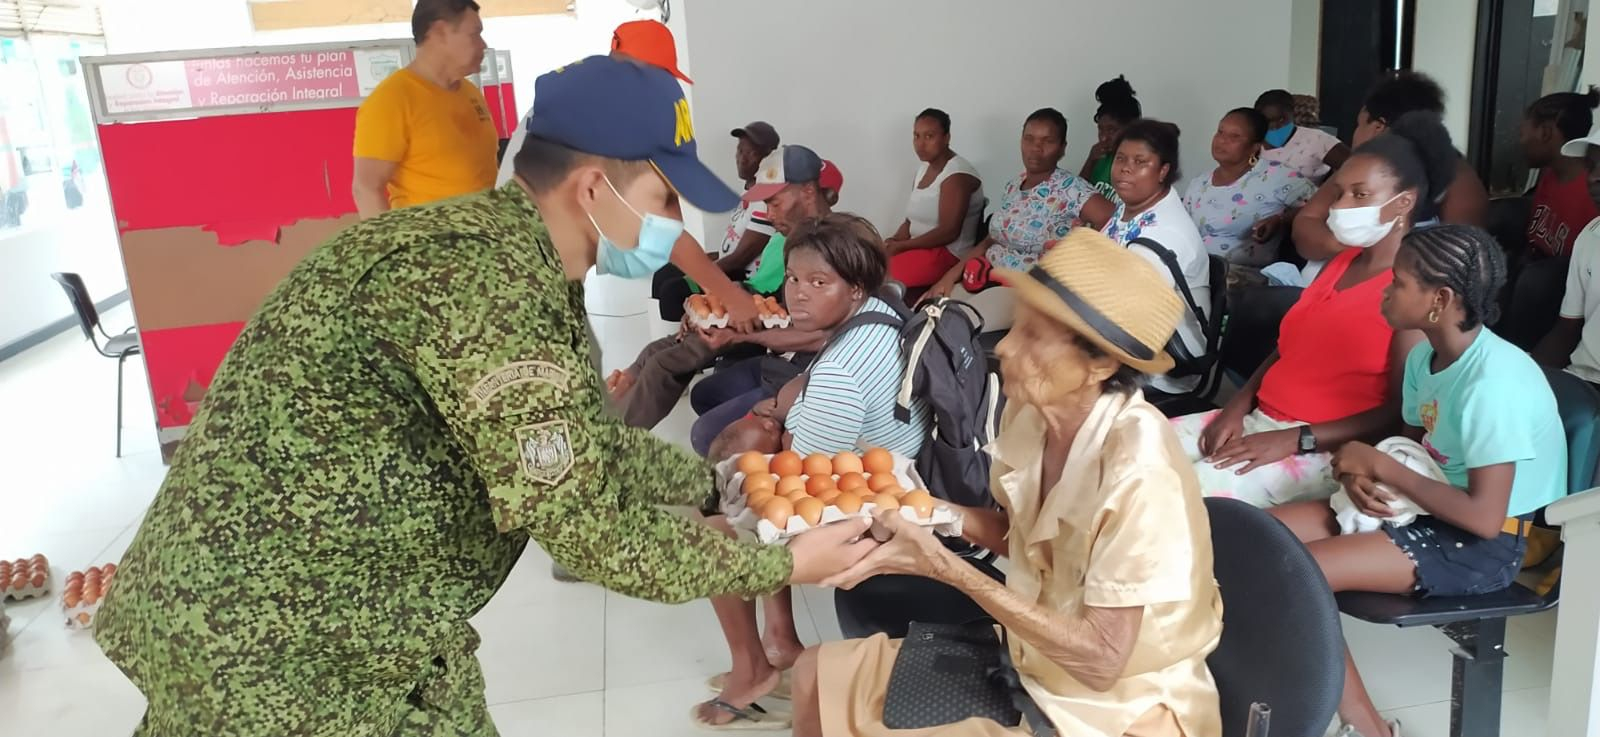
(1110, 608)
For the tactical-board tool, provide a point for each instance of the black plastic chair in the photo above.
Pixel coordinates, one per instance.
(1477, 624)
(1200, 399)
(1282, 644)
(119, 347)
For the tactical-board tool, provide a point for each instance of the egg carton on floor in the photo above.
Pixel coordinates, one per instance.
(84, 593)
(24, 578)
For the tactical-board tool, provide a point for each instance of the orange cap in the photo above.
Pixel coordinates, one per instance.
(650, 42)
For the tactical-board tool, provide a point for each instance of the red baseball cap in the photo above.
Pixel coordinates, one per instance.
(650, 42)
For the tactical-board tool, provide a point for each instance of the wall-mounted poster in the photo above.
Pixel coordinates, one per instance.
(278, 15)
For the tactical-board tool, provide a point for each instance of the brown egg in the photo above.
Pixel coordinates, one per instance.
(38, 559)
(759, 481)
(878, 460)
(818, 484)
(848, 502)
(797, 496)
(777, 511)
(75, 576)
(70, 599)
(20, 563)
(809, 510)
(83, 619)
(758, 499)
(847, 462)
(789, 485)
(885, 501)
(853, 481)
(829, 495)
(787, 463)
(715, 303)
(19, 580)
(818, 464)
(38, 580)
(894, 491)
(751, 463)
(5, 570)
(110, 568)
(881, 481)
(75, 586)
(920, 502)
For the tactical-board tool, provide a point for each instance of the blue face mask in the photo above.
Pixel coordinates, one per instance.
(1279, 136)
(657, 235)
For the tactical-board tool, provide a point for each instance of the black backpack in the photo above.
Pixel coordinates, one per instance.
(946, 367)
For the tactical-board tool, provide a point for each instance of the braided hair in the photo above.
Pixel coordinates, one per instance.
(1118, 101)
(1464, 258)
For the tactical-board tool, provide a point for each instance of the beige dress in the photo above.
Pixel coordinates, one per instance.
(1125, 526)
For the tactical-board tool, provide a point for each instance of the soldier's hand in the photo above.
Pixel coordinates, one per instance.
(742, 315)
(830, 550)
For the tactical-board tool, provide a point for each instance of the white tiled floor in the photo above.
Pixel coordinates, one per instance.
(560, 659)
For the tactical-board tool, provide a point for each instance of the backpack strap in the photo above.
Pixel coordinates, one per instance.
(1171, 260)
(860, 319)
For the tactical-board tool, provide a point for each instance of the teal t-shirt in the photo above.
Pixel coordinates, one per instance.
(767, 278)
(1492, 406)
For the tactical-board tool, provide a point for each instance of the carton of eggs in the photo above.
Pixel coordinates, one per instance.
(708, 311)
(783, 495)
(84, 593)
(24, 578)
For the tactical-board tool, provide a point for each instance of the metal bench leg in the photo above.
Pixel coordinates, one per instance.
(120, 360)
(1477, 677)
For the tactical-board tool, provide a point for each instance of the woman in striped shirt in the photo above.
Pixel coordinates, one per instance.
(845, 401)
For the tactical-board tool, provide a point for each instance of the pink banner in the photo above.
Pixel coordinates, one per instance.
(269, 78)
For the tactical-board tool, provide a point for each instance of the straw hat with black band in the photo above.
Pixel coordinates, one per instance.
(1106, 293)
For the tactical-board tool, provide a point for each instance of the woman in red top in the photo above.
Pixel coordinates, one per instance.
(1336, 374)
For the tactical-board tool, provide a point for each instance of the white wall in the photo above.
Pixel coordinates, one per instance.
(1444, 48)
(846, 77)
(1305, 46)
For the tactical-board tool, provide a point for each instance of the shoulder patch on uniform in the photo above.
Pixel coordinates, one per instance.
(546, 451)
(519, 372)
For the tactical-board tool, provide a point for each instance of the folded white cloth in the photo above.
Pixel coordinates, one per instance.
(1412, 455)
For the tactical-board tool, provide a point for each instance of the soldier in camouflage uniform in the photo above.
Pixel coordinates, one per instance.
(409, 407)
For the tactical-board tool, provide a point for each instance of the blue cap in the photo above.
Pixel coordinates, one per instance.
(631, 112)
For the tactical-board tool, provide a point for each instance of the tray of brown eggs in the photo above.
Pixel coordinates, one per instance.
(24, 578)
(782, 495)
(85, 592)
(708, 311)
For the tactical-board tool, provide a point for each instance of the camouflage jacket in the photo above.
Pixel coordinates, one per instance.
(410, 406)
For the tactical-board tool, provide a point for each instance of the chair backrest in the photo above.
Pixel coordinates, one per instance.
(82, 305)
(1281, 639)
(1252, 332)
(1579, 405)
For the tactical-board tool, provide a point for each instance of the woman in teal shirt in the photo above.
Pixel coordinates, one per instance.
(1485, 413)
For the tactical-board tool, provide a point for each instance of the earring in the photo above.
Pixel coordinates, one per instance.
(1254, 159)
(1433, 316)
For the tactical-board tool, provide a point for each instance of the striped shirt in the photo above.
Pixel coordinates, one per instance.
(849, 399)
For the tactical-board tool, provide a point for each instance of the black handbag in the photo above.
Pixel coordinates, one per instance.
(946, 673)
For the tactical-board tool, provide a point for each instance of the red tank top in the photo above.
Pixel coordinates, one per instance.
(1560, 211)
(1333, 350)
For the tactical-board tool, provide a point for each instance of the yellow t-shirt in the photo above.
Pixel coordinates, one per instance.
(443, 140)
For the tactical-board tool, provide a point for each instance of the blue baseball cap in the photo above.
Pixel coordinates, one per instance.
(628, 111)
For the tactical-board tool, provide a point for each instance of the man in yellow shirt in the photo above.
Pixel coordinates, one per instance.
(425, 133)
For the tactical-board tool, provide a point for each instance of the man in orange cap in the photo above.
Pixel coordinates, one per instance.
(650, 42)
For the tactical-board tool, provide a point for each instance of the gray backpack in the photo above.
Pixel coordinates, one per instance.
(947, 368)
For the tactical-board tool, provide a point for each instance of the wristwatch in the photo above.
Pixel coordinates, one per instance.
(1308, 442)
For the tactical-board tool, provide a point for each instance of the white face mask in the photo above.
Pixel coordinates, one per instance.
(1358, 227)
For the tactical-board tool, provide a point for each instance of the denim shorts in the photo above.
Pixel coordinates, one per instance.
(1453, 562)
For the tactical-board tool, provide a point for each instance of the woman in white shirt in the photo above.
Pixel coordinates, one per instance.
(944, 211)
(1310, 151)
(1245, 205)
(1143, 171)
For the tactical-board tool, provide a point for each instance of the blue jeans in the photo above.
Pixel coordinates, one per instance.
(722, 398)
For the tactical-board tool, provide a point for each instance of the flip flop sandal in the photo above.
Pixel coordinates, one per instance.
(717, 683)
(752, 717)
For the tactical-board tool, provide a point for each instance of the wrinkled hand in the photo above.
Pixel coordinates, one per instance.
(1359, 459)
(1267, 228)
(825, 551)
(912, 551)
(719, 338)
(1255, 451)
(1225, 427)
(1365, 494)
